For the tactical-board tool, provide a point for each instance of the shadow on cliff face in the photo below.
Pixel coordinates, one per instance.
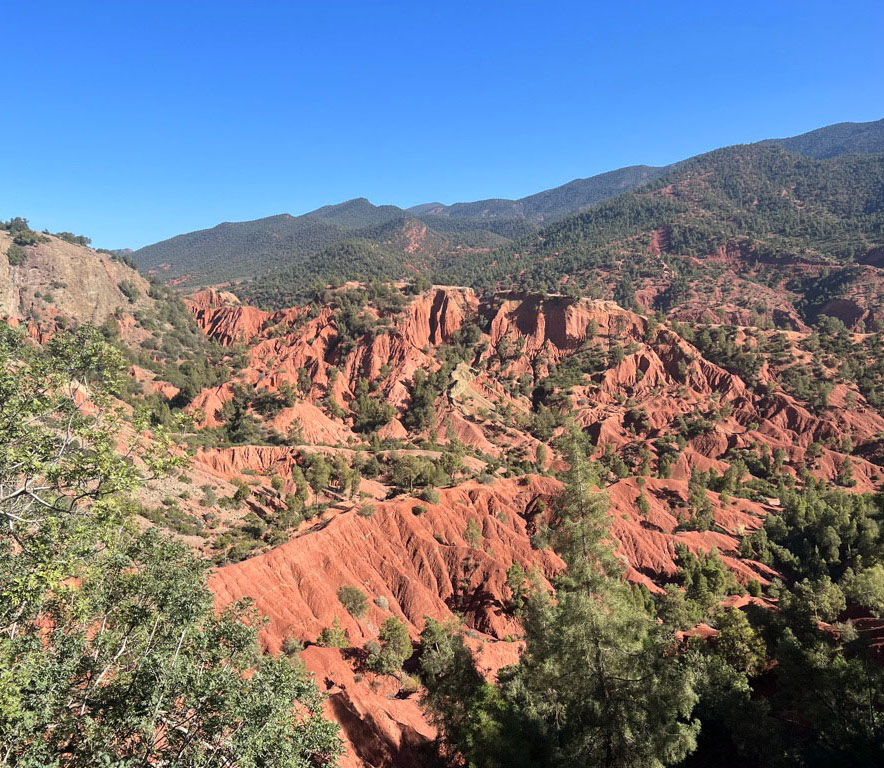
(374, 745)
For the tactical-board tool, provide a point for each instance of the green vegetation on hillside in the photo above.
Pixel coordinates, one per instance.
(599, 682)
(813, 197)
(603, 679)
(111, 650)
(778, 205)
(773, 206)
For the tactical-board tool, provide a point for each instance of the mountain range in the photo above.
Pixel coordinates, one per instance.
(383, 240)
(658, 392)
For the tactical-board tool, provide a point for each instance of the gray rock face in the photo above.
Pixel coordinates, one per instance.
(62, 279)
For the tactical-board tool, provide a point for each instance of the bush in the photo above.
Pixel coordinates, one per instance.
(70, 237)
(366, 510)
(473, 533)
(291, 645)
(430, 495)
(387, 656)
(354, 600)
(318, 472)
(16, 255)
(333, 636)
(372, 651)
(209, 498)
(129, 290)
(370, 412)
(242, 492)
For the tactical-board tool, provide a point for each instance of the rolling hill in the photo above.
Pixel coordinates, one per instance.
(757, 222)
(551, 203)
(838, 139)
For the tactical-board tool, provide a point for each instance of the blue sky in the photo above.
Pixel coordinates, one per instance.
(134, 121)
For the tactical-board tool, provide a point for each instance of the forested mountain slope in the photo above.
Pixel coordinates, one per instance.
(299, 244)
(838, 139)
(758, 226)
(777, 206)
(830, 141)
(551, 203)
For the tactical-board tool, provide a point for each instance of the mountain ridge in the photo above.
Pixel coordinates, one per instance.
(238, 250)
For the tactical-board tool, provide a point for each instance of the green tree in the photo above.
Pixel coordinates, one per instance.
(420, 410)
(516, 581)
(739, 643)
(599, 682)
(318, 473)
(241, 426)
(111, 651)
(598, 674)
(334, 636)
(370, 412)
(475, 723)
(393, 649)
(301, 484)
(354, 600)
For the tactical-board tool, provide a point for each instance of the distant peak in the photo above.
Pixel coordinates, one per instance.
(424, 207)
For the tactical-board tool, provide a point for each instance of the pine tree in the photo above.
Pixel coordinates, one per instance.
(598, 674)
(599, 682)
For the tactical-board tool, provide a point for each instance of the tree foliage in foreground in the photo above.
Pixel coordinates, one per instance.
(598, 683)
(111, 652)
(601, 681)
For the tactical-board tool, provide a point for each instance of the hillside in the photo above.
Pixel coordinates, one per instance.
(746, 222)
(44, 277)
(302, 247)
(373, 240)
(830, 141)
(229, 249)
(382, 455)
(838, 139)
(551, 203)
(412, 446)
(481, 495)
(760, 226)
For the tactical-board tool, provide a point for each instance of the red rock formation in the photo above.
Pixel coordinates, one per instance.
(419, 565)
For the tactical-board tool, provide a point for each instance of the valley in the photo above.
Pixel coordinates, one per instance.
(633, 425)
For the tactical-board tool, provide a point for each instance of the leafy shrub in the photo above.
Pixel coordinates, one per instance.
(354, 600)
(430, 495)
(292, 645)
(129, 290)
(387, 656)
(333, 636)
(473, 533)
(16, 255)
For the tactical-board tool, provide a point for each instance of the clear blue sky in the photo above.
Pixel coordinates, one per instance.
(134, 121)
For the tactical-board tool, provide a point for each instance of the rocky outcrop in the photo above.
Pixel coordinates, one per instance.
(644, 387)
(61, 280)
